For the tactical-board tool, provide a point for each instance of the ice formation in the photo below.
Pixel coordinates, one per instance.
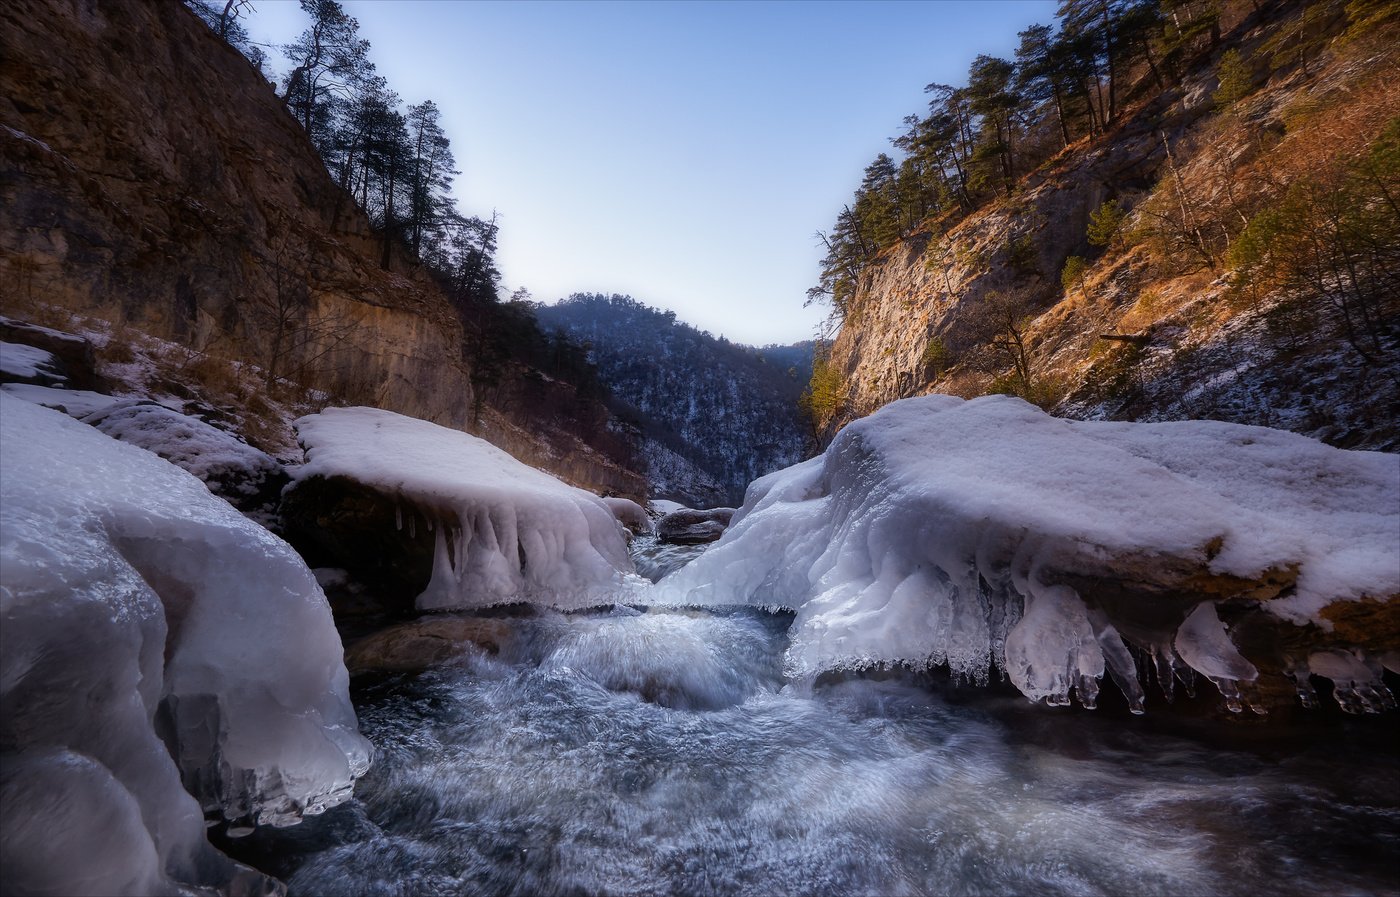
(505, 532)
(136, 606)
(987, 532)
(630, 514)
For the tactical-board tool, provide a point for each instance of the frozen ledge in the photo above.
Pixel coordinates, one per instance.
(498, 531)
(987, 534)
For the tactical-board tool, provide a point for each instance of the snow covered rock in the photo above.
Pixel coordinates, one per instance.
(26, 364)
(76, 358)
(630, 514)
(693, 527)
(77, 403)
(232, 469)
(134, 603)
(394, 498)
(987, 532)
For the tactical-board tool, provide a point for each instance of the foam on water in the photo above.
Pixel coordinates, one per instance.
(660, 753)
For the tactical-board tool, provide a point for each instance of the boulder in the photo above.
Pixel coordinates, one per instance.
(693, 527)
(75, 354)
(20, 363)
(419, 644)
(630, 514)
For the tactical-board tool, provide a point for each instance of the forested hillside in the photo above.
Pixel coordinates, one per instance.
(714, 415)
(1158, 209)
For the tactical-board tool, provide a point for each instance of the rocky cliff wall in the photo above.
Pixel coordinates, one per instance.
(1142, 337)
(150, 176)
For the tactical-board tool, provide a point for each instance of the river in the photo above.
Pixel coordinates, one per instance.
(661, 752)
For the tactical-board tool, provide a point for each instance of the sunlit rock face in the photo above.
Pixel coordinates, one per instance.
(137, 607)
(988, 534)
(416, 503)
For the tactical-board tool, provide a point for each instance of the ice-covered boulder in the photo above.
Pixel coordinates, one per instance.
(136, 606)
(630, 514)
(394, 498)
(232, 469)
(988, 532)
(689, 526)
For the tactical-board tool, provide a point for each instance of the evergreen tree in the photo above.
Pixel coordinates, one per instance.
(330, 62)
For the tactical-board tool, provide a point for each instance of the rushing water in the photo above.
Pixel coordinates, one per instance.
(661, 753)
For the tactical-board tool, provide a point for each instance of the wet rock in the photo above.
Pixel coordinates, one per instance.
(381, 541)
(415, 646)
(693, 527)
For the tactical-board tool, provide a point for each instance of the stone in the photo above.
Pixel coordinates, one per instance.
(693, 527)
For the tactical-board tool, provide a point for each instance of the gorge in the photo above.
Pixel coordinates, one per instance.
(324, 569)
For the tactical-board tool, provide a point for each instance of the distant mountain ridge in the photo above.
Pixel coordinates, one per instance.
(713, 415)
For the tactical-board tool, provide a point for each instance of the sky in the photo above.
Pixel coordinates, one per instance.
(684, 153)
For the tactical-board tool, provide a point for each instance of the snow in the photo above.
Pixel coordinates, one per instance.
(225, 463)
(134, 602)
(509, 533)
(660, 507)
(943, 531)
(22, 362)
(630, 514)
(73, 402)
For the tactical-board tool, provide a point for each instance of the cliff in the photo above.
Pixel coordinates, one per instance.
(1150, 329)
(152, 178)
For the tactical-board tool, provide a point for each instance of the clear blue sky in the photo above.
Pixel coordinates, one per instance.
(682, 152)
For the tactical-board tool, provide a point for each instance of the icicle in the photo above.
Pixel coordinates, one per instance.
(1119, 661)
(1053, 648)
(398, 517)
(412, 526)
(1356, 684)
(1302, 682)
(1162, 666)
(1204, 644)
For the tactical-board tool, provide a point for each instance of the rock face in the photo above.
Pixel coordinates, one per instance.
(153, 178)
(1142, 337)
(691, 527)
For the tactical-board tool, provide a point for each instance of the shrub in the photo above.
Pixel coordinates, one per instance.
(1105, 222)
(1072, 275)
